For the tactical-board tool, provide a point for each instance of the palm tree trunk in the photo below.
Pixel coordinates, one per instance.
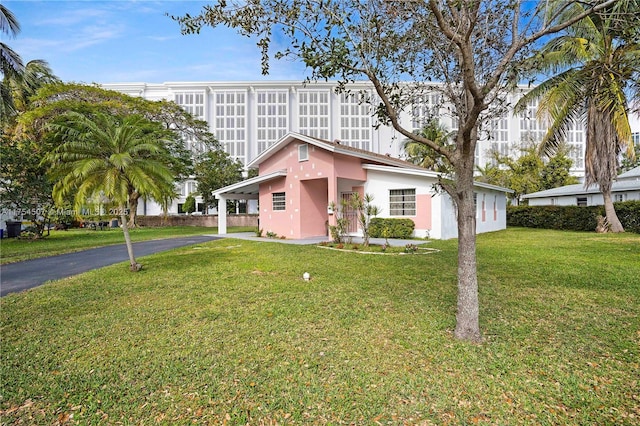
(133, 208)
(610, 211)
(133, 265)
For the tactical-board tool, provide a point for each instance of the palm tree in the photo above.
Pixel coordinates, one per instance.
(110, 155)
(19, 82)
(595, 67)
(424, 156)
(10, 61)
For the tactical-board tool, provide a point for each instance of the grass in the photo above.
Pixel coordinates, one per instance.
(59, 242)
(228, 332)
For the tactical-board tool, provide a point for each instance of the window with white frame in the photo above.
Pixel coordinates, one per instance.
(618, 198)
(231, 121)
(192, 102)
(192, 187)
(402, 202)
(272, 117)
(278, 201)
(180, 189)
(531, 129)
(499, 135)
(424, 108)
(303, 152)
(313, 113)
(575, 141)
(355, 120)
(581, 201)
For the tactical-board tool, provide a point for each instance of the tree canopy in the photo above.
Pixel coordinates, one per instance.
(175, 129)
(470, 48)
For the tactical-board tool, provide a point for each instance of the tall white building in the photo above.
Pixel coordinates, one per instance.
(247, 117)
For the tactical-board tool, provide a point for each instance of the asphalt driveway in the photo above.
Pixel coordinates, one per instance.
(19, 276)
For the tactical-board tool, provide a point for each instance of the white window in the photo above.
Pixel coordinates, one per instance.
(581, 201)
(355, 120)
(499, 135)
(279, 201)
(272, 117)
(192, 187)
(618, 198)
(230, 123)
(303, 152)
(192, 102)
(424, 108)
(531, 130)
(313, 113)
(402, 202)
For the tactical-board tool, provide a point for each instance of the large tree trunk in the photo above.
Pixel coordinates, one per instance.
(133, 208)
(133, 265)
(612, 216)
(468, 314)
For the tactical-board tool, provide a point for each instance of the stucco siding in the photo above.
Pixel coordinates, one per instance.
(379, 184)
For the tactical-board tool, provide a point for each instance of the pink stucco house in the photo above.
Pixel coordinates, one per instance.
(300, 176)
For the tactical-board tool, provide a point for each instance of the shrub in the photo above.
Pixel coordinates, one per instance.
(396, 228)
(572, 218)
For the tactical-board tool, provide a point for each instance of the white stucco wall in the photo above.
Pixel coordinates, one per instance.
(379, 183)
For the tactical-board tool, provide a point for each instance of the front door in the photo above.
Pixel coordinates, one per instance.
(349, 213)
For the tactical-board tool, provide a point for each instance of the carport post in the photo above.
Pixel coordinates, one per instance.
(222, 214)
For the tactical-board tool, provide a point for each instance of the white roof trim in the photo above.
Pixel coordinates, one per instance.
(249, 186)
(428, 173)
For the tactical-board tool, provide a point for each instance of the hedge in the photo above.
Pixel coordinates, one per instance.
(572, 218)
(396, 228)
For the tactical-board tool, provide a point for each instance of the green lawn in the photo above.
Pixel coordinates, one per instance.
(228, 332)
(13, 250)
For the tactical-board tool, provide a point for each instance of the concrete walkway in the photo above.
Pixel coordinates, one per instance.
(315, 240)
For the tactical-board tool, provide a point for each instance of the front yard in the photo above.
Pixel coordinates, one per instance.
(228, 332)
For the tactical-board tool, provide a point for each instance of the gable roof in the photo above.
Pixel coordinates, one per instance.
(633, 174)
(629, 181)
(334, 147)
(580, 189)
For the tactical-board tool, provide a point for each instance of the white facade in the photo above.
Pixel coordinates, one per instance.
(248, 117)
(491, 201)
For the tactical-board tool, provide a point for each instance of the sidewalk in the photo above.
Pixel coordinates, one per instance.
(315, 240)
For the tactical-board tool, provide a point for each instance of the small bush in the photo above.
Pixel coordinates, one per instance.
(396, 228)
(572, 218)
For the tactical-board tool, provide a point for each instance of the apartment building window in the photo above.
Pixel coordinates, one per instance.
(355, 120)
(402, 202)
(575, 141)
(424, 108)
(618, 198)
(499, 136)
(278, 201)
(192, 187)
(581, 201)
(230, 122)
(272, 117)
(531, 130)
(192, 102)
(313, 113)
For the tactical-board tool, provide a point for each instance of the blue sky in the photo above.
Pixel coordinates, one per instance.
(118, 41)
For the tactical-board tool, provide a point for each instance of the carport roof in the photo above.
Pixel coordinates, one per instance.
(249, 187)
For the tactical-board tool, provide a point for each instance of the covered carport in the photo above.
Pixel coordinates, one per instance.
(246, 190)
